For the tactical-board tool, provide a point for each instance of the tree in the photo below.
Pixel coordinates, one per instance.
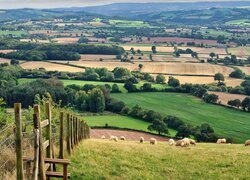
(237, 74)
(132, 51)
(212, 55)
(173, 82)
(140, 66)
(211, 98)
(151, 57)
(81, 100)
(147, 87)
(219, 77)
(121, 73)
(154, 49)
(160, 79)
(115, 89)
(246, 104)
(96, 100)
(130, 87)
(14, 62)
(138, 51)
(184, 131)
(158, 126)
(234, 103)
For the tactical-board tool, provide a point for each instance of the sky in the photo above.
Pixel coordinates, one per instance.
(13, 4)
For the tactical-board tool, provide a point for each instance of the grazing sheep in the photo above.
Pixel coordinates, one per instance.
(192, 142)
(171, 142)
(221, 141)
(116, 139)
(180, 143)
(153, 141)
(123, 138)
(186, 142)
(112, 138)
(141, 139)
(103, 137)
(247, 143)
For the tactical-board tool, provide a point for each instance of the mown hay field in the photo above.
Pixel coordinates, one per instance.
(225, 97)
(226, 121)
(50, 66)
(68, 40)
(240, 51)
(246, 70)
(104, 159)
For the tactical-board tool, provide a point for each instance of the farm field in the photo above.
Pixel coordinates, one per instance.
(94, 57)
(225, 97)
(240, 51)
(226, 122)
(68, 40)
(121, 122)
(246, 70)
(239, 22)
(50, 66)
(104, 159)
(127, 23)
(185, 68)
(3, 60)
(155, 40)
(13, 33)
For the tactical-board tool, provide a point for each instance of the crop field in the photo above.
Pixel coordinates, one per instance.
(121, 122)
(94, 57)
(246, 70)
(69, 40)
(126, 23)
(156, 40)
(226, 122)
(6, 51)
(50, 66)
(185, 68)
(240, 51)
(225, 97)
(13, 33)
(239, 22)
(2, 60)
(104, 159)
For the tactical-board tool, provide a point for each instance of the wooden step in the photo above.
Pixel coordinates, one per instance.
(56, 161)
(55, 174)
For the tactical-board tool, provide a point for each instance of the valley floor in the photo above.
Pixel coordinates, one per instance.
(104, 159)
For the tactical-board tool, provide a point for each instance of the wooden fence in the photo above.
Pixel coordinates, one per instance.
(42, 163)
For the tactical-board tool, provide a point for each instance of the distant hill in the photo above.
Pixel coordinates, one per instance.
(131, 9)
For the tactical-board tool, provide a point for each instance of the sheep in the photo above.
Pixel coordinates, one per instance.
(171, 142)
(221, 141)
(103, 137)
(153, 141)
(180, 143)
(186, 142)
(192, 142)
(247, 143)
(116, 139)
(123, 138)
(111, 138)
(141, 139)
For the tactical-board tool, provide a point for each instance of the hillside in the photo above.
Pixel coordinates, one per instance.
(226, 122)
(102, 159)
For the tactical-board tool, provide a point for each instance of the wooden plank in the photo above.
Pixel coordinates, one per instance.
(57, 161)
(44, 123)
(46, 144)
(19, 147)
(56, 174)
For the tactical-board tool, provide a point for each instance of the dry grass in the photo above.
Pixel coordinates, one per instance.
(3, 60)
(68, 40)
(225, 97)
(245, 69)
(50, 66)
(94, 57)
(240, 51)
(7, 51)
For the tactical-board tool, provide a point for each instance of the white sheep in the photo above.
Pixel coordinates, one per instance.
(103, 137)
(122, 138)
(171, 142)
(192, 142)
(247, 143)
(180, 143)
(116, 139)
(112, 138)
(141, 139)
(153, 141)
(221, 141)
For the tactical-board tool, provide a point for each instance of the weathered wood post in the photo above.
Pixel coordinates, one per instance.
(76, 130)
(68, 138)
(19, 147)
(61, 154)
(36, 147)
(71, 132)
(41, 158)
(48, 130)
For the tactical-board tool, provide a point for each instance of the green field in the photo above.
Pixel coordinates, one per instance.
(226, 122)
(120, 121)
(127, 23)
(104, 159)
(13, 33)
(239, 22)
(82, 83)
(240, 51)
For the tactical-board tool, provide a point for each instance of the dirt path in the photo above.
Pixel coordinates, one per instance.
(130, 135)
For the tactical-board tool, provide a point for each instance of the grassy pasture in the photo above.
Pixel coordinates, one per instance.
(13, 33)
(104, 159)
(240, 51)
(226, 122)
(239, 22)
(121, 122)
(127, 23)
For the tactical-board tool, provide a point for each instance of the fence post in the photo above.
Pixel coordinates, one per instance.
(48, 129)
(68, 134)
(41, 158)
(71, 132)
(77, 130)
(19, 147)
(36, 147)
(61, 155)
